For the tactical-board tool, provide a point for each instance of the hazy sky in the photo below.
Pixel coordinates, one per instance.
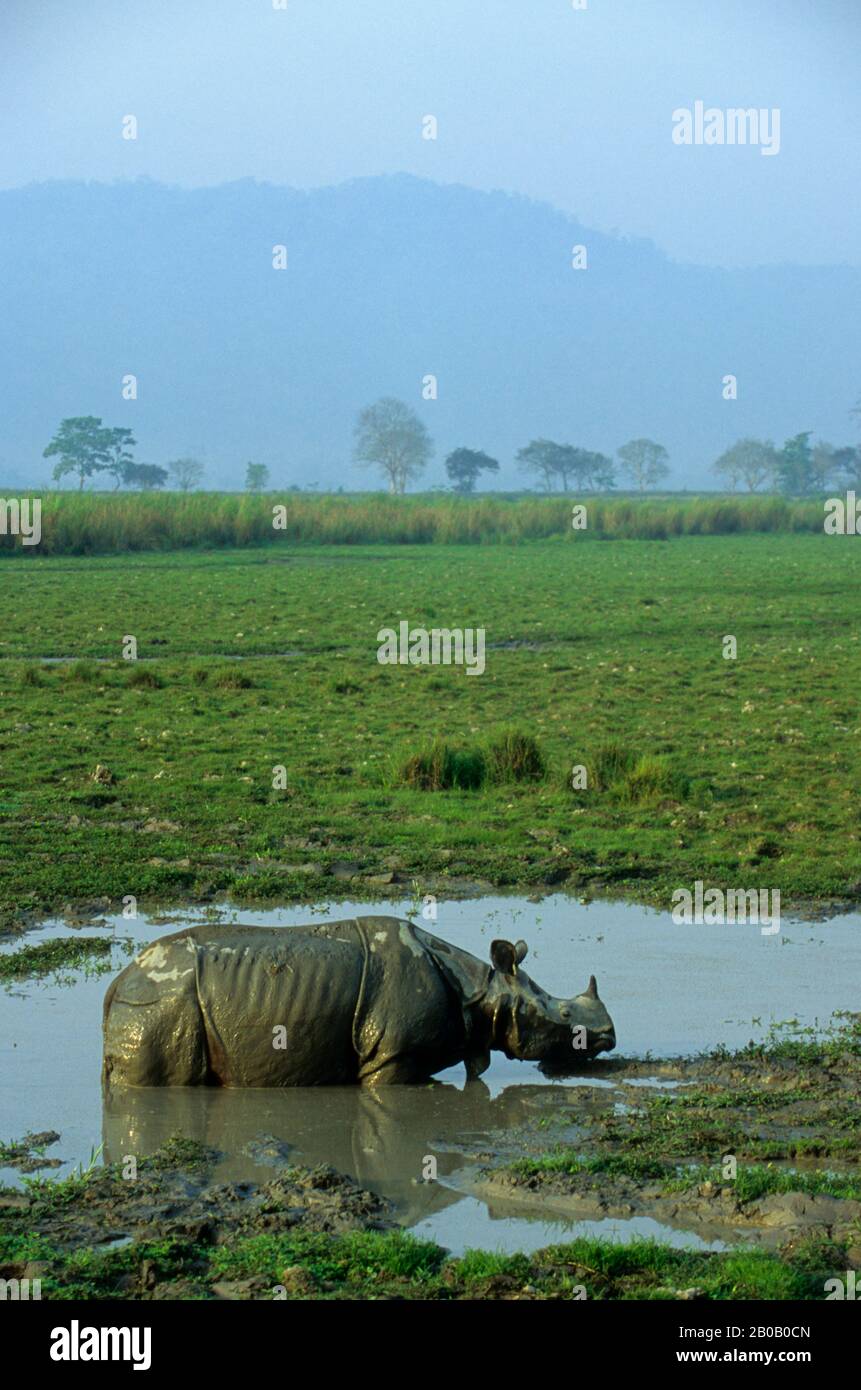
(531, 96)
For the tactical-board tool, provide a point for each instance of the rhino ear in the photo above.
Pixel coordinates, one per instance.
(503, 957)
(520, 951)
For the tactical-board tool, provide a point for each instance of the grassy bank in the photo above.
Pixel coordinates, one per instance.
(155, 777)
(625, 1150)
(52, 957)
(374, 1266)
(105, 523)
(268, 1246)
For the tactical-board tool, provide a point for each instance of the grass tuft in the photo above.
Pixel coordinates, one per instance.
(635, 779)
(510, 756)
(442, 767)
(82, 672)
(232, 679)
(142, 678)
(514, 757)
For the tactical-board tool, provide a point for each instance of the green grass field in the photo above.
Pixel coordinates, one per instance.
(587, 645)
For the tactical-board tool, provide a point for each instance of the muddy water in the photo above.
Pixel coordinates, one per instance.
(671, 990)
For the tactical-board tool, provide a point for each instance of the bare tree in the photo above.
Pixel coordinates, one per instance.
(751, 461)
(541, 456)
(186, 473)
(391, 437)
(645, 462)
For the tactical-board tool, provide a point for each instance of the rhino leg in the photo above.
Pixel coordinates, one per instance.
(153, 1026)
(398, 1072)
(477, 1064)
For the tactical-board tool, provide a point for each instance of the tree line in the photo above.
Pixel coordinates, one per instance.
(799, 468)
(390, 437)
(83, 447)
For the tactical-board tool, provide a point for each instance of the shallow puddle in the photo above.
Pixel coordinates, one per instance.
(472, 1225)
(672, 991)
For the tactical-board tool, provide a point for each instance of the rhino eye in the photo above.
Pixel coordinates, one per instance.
(565, 1013)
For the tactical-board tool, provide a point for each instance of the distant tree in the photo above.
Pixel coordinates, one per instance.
(749, 461)
(256, 477)
(186, 473)
(119, 444)
(390, 436)
(591, 472)
(846, 463)
(645, 462)
(81, 446)
(600, 473)
(541, 456)
(146, 476)
(826, 465)
(569, 463)
(463, 466)
(795, 468)
(727, 470)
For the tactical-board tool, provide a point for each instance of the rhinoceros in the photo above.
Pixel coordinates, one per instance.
(373, 1000)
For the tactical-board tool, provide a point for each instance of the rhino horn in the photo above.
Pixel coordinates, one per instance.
(592, 988)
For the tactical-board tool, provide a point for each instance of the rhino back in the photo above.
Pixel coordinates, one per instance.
(294, 1006)
(278, 1004)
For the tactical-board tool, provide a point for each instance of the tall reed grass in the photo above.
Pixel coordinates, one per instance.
(105, 523)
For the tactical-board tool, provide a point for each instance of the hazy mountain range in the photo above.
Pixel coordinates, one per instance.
(389, 280)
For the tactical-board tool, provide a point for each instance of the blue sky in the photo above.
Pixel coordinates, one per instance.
(532, 96)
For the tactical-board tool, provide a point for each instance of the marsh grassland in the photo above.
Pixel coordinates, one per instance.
(608, 655)
(256, 748)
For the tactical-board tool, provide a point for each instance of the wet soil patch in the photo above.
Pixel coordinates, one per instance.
(763, 1145)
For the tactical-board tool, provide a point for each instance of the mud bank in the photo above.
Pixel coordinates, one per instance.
(754, 1154)
(155, 1228)
(713, 1211)
(169, 1232)
(760, 1146)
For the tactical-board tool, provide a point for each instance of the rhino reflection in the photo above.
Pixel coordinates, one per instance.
(380, 1137)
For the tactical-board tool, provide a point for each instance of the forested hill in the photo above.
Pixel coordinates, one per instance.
(389, 280)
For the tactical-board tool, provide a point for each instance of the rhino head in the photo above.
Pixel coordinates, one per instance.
(531, 1025)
